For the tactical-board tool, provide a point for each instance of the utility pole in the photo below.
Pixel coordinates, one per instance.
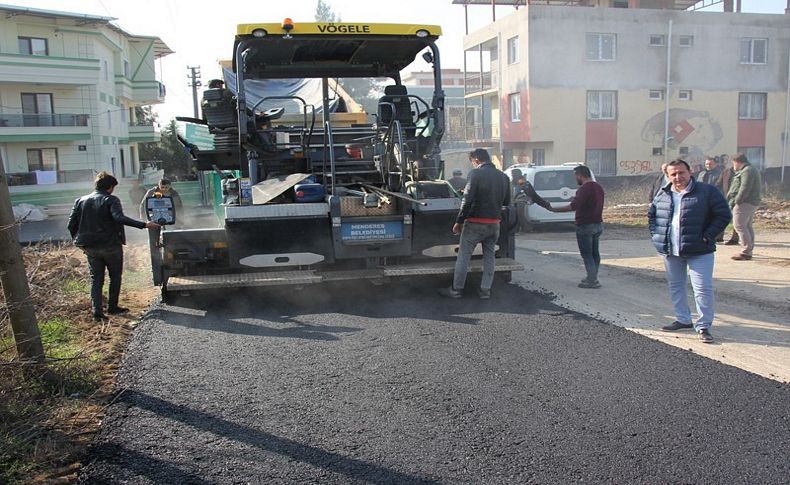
(15, 287)
(195, 83)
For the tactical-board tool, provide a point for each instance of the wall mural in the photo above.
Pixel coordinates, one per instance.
(696, 130)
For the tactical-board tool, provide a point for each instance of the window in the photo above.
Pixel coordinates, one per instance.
(515, 107)
(657, 40)
(686, 40)
(684, 95)
(601, 47)
(37, 109)
(109, 118)
(658, 151)
(45, 159)
(512, 50)
(755, 155)
(620, 4)
(554, 179)
(656, 94)
(751, 106)
(602, 162)
(106, 69)
(123, 114)
(754, 51)
(33, 46)
(539, 156)
(601, 105)
(126, 70)
(683, 151)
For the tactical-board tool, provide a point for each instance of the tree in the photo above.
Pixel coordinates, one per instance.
(324, 13)
(169, 150)
(365, 91)
(15, 286)
(145, 115)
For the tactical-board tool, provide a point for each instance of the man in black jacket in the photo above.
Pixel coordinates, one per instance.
(524, 194)
(97, 226)
(478, 221)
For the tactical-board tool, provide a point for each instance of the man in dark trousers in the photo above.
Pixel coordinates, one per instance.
(588, 204)
(458, 181)
(684, 219)
(478, 221)
(97, 226)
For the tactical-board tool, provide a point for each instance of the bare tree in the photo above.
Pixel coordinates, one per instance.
(14, 279)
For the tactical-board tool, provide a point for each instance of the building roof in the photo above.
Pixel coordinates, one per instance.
(160, 48)
(678, 4)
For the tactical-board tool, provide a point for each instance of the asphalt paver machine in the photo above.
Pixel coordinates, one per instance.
(318, 194)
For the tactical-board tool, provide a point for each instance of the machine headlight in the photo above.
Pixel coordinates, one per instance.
(259, 33)
(422, 33)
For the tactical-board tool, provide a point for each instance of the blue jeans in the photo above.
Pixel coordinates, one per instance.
(700, 269)
(587, 236)
(99, 260)
(472, 234)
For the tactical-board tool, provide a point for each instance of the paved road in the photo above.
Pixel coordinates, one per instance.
(390, 384)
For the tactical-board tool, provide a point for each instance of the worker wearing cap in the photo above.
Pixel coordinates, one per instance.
(458, 182)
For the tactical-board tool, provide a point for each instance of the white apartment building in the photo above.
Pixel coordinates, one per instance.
(69, 86)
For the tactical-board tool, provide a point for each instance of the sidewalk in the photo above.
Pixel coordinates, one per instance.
(752, 330)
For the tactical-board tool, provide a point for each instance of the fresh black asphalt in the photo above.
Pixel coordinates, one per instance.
(391, 384)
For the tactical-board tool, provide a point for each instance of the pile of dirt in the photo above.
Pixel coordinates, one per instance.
(626, 204)
(45, 424)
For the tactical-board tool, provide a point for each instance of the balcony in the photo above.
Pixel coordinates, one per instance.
(19, 68)
(143, 132)
(479, 82)
(44, 127)
(142, 92)
(482, 132)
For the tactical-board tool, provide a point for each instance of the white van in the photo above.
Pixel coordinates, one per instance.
(555, 183)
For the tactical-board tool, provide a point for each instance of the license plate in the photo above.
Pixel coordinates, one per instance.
(371, 231)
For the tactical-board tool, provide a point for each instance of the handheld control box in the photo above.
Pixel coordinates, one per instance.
(160, 209)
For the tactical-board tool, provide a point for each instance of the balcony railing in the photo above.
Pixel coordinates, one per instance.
(141, 123)
(482, 132)
(43, 119)
(481, 81)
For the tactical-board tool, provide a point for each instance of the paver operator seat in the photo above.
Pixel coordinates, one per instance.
(395, 105)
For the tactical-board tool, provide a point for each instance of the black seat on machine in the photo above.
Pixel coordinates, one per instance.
(219, 108)
(396, 96)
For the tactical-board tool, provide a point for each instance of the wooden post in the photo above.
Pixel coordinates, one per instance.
(14, 279)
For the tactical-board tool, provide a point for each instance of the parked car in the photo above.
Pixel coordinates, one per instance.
(555, 183)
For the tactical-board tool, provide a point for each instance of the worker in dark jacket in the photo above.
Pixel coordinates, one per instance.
(97, 226)
(523, 195)
(487, 190)
(684, 218)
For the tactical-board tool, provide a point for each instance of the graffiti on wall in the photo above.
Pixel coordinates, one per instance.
(695, 130)
(638, 167)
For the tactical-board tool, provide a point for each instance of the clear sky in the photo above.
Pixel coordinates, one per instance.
(201, 32)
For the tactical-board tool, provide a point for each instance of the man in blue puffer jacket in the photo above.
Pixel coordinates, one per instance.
(685, 217)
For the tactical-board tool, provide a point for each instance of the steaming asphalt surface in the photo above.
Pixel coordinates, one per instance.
(391, 384)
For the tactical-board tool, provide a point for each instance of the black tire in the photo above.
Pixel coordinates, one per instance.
(167, 296)
(504, 276)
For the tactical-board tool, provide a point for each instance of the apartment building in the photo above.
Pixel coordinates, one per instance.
(624, 86)
(71, 86)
